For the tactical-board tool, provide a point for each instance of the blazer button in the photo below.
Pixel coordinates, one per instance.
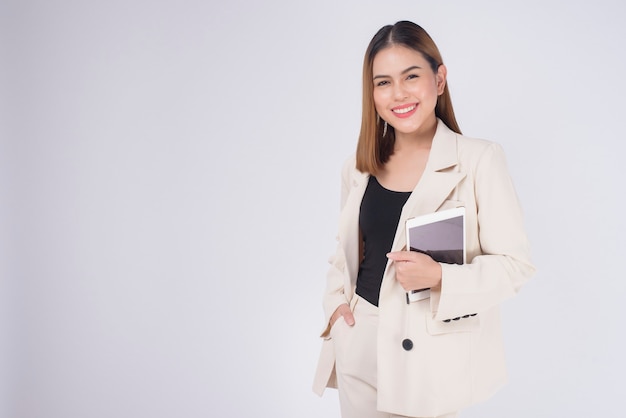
(456, 319)
(407, 344)
(447, 320)
(465, 316)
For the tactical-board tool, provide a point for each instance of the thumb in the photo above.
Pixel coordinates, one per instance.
(400, 256)
(349, 318)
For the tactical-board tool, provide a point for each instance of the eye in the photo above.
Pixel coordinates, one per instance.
(412, 76)
(382, 83)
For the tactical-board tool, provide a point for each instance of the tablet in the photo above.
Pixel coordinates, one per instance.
(441, 235)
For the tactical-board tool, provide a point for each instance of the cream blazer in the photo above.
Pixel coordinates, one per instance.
(455, 363)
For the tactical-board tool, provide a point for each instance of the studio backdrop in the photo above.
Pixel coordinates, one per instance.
(169, 179)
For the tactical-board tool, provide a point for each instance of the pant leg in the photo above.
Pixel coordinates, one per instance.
(355, 352)
(356, 363)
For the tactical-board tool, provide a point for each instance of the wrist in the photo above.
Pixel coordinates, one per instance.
(436, 274)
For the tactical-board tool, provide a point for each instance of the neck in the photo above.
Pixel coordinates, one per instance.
(421, 139)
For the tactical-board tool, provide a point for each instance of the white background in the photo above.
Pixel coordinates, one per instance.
(169, 176)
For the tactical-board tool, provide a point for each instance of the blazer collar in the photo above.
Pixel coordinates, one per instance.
(443, 152)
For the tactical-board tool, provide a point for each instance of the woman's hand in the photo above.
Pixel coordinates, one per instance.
(342, 310)
(415, 271)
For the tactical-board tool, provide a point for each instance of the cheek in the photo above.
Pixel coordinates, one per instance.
(434, 89)
(379, 101)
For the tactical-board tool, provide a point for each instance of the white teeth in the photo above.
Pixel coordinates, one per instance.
(405, 110)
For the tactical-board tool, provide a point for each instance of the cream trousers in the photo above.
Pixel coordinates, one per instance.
(355, 353)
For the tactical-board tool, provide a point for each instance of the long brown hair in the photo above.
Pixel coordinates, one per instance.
(374, 149)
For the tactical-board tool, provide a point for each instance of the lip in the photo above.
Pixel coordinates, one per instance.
(405, 114)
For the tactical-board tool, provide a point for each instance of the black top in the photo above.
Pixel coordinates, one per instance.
(378, 220)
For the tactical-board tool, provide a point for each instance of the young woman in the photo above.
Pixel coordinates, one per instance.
(435, 356)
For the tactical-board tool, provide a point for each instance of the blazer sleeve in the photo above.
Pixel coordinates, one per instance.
(334, 293)
(503, 264)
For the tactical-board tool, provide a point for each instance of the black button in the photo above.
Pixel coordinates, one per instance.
(447, 320)
(473, 314)
(407, 344)
(465, 316)
(456, 319)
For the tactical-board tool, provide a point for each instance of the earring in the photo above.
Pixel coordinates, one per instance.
(385, 129)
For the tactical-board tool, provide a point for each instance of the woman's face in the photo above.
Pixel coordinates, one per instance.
(406, 90)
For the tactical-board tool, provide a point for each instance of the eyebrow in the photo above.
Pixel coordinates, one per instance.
(411, 68)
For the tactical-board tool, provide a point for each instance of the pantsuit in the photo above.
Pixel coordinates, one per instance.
(457, 356)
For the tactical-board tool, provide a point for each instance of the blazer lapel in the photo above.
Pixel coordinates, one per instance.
(440, 177)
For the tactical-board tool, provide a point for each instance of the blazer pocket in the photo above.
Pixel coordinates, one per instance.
(337, 327)
(437, 327)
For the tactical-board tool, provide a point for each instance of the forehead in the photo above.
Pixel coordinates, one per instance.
(397, 58)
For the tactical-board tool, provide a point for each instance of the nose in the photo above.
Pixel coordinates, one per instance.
(399, 92)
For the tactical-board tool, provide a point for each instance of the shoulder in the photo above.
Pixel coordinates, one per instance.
(349, 164)
(450, 148)
(475, 145)
(463, 143)
(482, 159)
(474, 150)
(349, 170)
(472, 154)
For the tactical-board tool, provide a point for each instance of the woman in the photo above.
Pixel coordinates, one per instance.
(435, 356)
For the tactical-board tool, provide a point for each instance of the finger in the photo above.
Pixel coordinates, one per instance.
(401, 256)
(405, 287)
(349, 318)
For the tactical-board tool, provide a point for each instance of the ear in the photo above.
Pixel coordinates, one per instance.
(441, 76)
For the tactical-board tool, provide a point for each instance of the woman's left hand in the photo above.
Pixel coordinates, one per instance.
(415, 271)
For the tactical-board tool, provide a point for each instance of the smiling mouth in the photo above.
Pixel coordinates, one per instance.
(403, 110)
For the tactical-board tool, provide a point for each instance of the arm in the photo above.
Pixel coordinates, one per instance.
(335, 302)
(504, 263)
